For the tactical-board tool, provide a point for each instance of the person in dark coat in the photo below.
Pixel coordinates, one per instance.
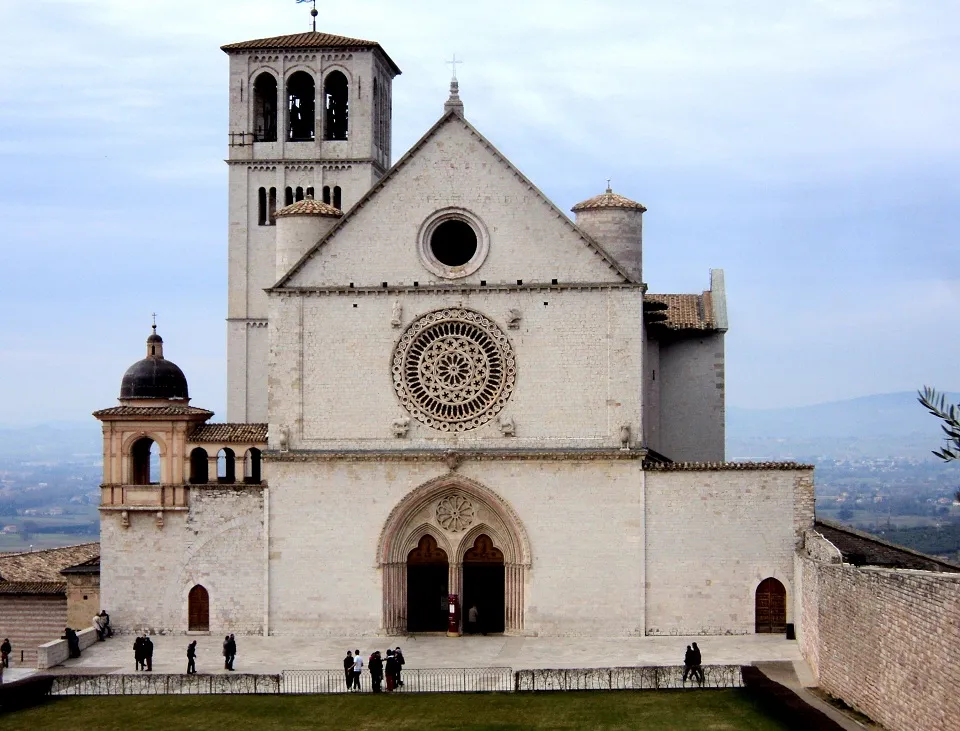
(73, 642)
(105, 623)
(376, 671)
(192, 658)
(226, 652)
(398, 656)
(148, 652)
(5, 650)
(697, 664)
(687, 663)
(391, 671)
(231, 651)
(348, 669)
(138, 651)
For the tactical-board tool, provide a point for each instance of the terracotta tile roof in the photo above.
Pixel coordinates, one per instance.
(685, 311)
(863, 549)
(45, 565)
(310, 207)
(85, 567)
(248, 433)
(609, 199)
(33, 587)
(307, 40)
(172, 410)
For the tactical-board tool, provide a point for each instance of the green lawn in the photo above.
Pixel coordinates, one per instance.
(708, 710)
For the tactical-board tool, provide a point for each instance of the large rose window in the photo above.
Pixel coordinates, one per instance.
(453, 369)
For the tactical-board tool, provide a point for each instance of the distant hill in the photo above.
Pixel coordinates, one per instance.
(62, 441)
(883, 425)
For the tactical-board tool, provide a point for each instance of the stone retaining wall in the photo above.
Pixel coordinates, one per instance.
(884, 641)
(55, 652)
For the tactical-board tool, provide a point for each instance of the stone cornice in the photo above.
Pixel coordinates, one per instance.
(725, 466)
(453, 458)
(433, 288)
(300, 162)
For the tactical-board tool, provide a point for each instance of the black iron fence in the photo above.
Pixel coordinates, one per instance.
(415, 680)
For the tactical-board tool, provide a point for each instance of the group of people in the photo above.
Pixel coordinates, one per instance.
(143, 652)
(101, 623)
(693, 664)
(390, 667)
(229, 652)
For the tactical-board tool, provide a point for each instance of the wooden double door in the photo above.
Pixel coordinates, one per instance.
(771, 609)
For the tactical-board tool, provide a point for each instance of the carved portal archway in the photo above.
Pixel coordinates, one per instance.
(456, 513)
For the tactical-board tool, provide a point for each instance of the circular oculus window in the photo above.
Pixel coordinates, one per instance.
(454, 369)
(453, 243)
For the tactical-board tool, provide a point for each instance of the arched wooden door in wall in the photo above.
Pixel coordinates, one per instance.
(198, 610)
(483, 585)
(427, 587)
(771, 607)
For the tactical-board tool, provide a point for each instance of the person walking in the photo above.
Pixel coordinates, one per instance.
(192, 658)
(375, 664)
(357, 669)
(231, 651)
(226, 652)
(687, 663)
(697, 664)
(5, 650)
(348, 669)
(398, 656)
(148, 651)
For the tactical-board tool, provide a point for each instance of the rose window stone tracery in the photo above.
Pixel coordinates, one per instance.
(455, 513)
(453, 369)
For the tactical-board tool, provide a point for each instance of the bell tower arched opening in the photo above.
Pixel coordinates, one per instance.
(427, 587)
(336, 125)
(265, 108)
(142, 456)
(301, 106)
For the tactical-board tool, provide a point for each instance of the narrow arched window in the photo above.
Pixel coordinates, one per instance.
(337, 200)
(301, 106)
(226, 466)
(299, 193)
(251, 466)
(272, 210)
(376, 114)
(262, 207)
(288, 196)
(326, 194)
(143, 454)
(336, 107)
(265, 108)
(199, 467)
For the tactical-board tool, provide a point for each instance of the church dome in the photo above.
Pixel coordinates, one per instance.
(608, 199)
(310, 207)
(154, 377)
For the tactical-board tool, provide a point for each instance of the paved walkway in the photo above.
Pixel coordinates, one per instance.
(784, 673)
(274, 654)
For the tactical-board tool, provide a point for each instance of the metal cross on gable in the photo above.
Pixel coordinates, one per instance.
(452, 63)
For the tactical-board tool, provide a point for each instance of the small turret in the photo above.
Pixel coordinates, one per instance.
(299, 227)
(616, 223)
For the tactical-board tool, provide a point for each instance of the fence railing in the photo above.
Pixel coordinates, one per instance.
(626, 678)
(415, 680)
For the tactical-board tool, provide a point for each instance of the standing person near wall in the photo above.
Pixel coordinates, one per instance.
(357, 669)
(231, 651)
(5, 650)
(192, 658)
(226, 652)
(348, 669)
(105, 623)
(148, 651)
(398, 656)
(375, 664)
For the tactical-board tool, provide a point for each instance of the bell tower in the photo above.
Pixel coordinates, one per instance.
(310, 115)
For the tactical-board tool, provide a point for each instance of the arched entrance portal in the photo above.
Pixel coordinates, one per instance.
(771, 607)
(483, 584)
(485, 550)
(198, 610)
(427, 587)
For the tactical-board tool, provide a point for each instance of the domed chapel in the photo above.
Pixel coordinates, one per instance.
(438, 384)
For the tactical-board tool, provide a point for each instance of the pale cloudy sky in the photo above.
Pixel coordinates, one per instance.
(808, 148)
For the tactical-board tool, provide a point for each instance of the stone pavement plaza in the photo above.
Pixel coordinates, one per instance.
(256, 654)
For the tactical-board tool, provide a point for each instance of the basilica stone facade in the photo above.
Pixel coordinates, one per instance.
(438, 384)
